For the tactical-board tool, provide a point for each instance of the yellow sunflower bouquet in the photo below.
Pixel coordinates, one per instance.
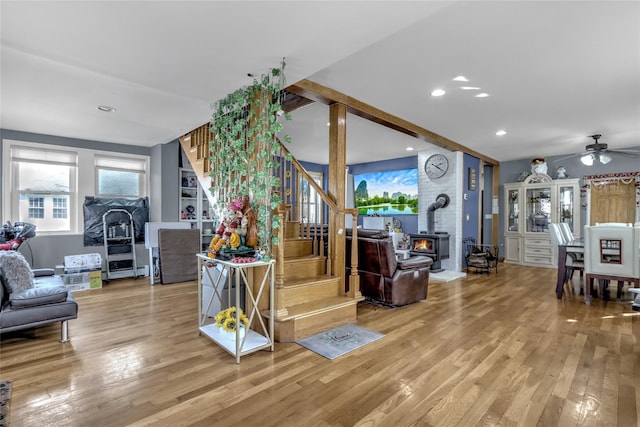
(226, 319)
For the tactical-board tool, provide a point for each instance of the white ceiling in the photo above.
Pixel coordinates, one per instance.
(556, 72)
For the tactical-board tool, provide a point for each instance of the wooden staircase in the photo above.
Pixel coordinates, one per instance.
(308, 297)
(313, 301)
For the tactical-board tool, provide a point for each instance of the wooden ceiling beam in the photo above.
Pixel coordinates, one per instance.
(293, 102)
(319, 93)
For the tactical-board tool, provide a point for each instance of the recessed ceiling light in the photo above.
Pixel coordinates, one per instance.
(438, 92)
(501, 132)
(482, 95)
(106, 108)
(469, 88)
(409, 148)
(328, 123)
(461, 79)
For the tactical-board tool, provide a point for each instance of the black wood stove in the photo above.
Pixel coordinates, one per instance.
(435, 246)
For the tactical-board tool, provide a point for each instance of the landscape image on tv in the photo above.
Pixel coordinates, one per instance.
(387, 193)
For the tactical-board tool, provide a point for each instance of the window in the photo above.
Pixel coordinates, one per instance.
(310, 208)
(46, 185)
(120, 177)
(36, 207)
(40, 177)
(60, 207)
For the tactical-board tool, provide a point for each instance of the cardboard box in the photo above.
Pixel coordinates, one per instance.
(84, 280)
(82, 263)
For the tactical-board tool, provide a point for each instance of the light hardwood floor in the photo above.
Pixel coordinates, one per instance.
(483, 350)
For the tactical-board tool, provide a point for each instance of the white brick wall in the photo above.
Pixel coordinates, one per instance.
(447, 219)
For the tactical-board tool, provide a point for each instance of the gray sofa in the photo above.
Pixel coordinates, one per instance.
(44, 301)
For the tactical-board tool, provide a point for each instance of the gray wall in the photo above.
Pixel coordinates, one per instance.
(164, 182)
(49, 251)
(170, 202)
(510, 171)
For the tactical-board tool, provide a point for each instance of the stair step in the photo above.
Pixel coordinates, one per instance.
(304, 267)
(297, 247)
(316, 307)
(291, 229)
(301, 290)
(310, 281)
(310, 318)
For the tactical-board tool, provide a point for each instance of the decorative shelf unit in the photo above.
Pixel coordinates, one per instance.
(195, 208)
(262, 337)
(530, 207)
(119, 244)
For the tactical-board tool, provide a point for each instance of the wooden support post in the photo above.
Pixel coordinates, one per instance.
(280, 309)
(337, 185)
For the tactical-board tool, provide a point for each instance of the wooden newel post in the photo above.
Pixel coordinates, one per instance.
(354, 278)
(281, 310)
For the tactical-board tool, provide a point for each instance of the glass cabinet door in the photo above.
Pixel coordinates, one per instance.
(538, 203)
(513, 209)
(566, 202)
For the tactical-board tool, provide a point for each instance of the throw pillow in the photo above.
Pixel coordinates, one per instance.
(16, 271)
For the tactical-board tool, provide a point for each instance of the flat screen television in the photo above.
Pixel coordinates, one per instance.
(387, 193)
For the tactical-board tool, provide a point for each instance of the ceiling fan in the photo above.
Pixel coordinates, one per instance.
(599, 151)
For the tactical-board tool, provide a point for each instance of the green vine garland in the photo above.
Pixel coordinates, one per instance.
(244, 150)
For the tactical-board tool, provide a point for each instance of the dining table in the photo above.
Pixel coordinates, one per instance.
(575, 246)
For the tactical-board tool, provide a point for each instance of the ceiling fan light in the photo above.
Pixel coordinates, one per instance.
(587, 159)
(605, 158)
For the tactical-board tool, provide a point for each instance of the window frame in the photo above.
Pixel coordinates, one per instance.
(60, 156)
(31, 209)
(56, 208)
(139, 166)
(315, 202)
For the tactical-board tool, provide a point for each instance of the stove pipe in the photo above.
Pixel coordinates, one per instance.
(442, 201)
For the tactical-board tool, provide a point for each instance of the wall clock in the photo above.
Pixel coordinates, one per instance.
(436, 166)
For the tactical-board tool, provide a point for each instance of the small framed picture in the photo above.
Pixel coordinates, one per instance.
(473, 179)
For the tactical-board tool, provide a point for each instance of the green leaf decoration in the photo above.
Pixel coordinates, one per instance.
(245, 150)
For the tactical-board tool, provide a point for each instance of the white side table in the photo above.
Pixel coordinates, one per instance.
(253, 340)
(402, 254)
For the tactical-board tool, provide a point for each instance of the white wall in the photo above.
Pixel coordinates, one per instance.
(447, 219)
